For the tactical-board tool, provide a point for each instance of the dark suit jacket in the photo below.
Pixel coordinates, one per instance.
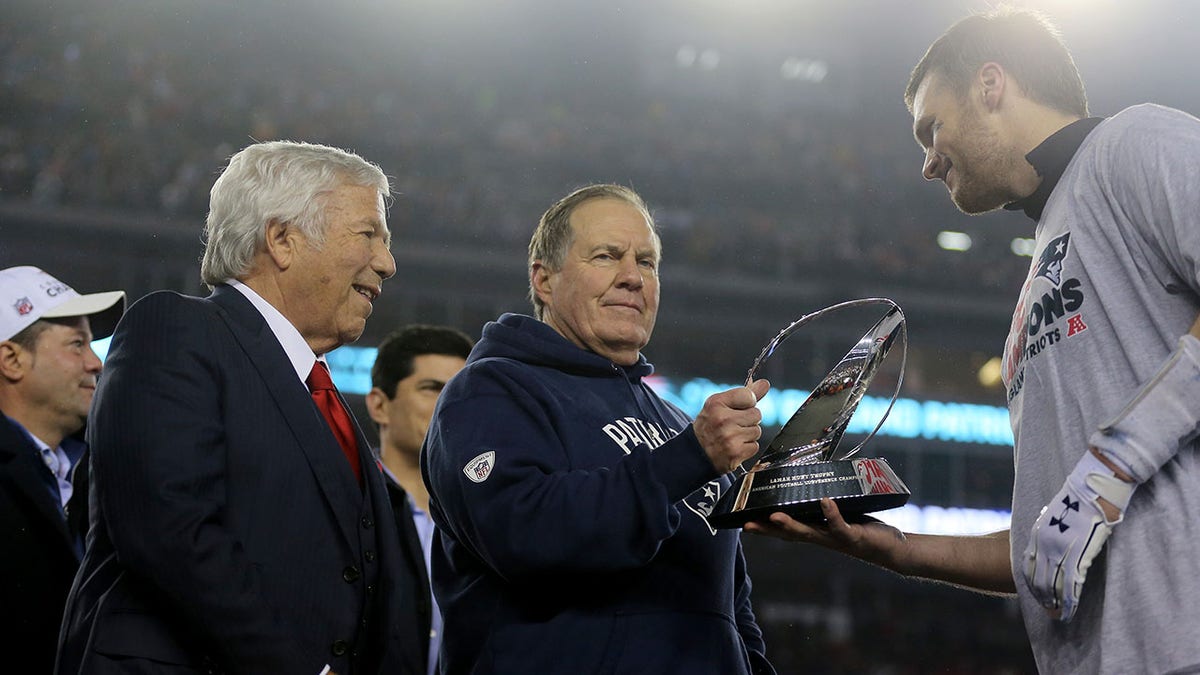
(413, 564)
(37, 555)
(228, 531)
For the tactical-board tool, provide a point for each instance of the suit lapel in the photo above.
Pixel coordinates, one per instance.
(412, 589)
(30, 476)
(311, 432)
(410, 539)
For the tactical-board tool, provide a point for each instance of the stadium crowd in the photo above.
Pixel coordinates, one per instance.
(126, 119)
(112, 116)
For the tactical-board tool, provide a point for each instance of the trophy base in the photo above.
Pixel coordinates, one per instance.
(857, 485)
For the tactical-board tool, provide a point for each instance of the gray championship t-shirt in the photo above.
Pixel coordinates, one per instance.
(1115, 281)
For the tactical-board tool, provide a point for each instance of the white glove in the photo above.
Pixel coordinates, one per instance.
(1070, 533)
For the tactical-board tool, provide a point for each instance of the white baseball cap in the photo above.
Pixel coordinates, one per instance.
(28, 294)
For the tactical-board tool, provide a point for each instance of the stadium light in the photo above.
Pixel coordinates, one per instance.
(954, 241)
(808, 70)
(709, 59)
(1023, 246)
(686, 56)
(989, 373)
(950, 520)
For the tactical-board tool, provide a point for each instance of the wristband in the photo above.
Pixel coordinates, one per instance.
(1162, 417)
(1094, 480)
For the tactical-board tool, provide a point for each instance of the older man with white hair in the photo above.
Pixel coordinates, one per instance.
(240, 523)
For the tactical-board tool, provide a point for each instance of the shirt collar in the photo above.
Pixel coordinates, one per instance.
(70, 447)
(1050, 159)
(37, 442)
(297, 350)
(386, 471)
(392, 477)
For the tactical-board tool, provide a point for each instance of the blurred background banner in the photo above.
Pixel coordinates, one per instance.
(768, 136)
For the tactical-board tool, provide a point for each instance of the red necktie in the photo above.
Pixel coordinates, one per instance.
(326, 398)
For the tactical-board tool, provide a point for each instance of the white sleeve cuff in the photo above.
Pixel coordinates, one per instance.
(1161, 418)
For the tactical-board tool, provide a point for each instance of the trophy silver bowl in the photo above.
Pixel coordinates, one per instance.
(803, 463)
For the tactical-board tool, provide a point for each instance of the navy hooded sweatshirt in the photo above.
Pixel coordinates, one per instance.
(569, 502)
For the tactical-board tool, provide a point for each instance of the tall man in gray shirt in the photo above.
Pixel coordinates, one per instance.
(1102, 364)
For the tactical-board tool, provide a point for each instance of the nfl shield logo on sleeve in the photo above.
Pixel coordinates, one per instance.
(480, 468)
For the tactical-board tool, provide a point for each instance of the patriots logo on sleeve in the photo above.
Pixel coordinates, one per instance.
(702, 501)
(1050, 265)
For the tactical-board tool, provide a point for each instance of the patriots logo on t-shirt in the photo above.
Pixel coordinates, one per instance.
(1050, 265)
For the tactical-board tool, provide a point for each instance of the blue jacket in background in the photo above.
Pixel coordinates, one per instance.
(570, 503)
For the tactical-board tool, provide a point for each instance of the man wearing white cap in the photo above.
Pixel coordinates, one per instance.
(47, 377)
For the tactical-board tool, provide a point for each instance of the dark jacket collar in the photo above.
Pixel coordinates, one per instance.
(529, 340)
(28, 473)
(1050, 159)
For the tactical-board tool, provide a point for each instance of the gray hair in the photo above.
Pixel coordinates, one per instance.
(282, 181)
(554, 234)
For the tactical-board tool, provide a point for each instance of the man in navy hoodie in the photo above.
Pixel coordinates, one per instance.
(569, 498)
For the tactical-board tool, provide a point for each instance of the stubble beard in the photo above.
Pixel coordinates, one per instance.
(978, 190)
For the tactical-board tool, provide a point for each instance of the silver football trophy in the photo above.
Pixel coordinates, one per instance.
(803, 464)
